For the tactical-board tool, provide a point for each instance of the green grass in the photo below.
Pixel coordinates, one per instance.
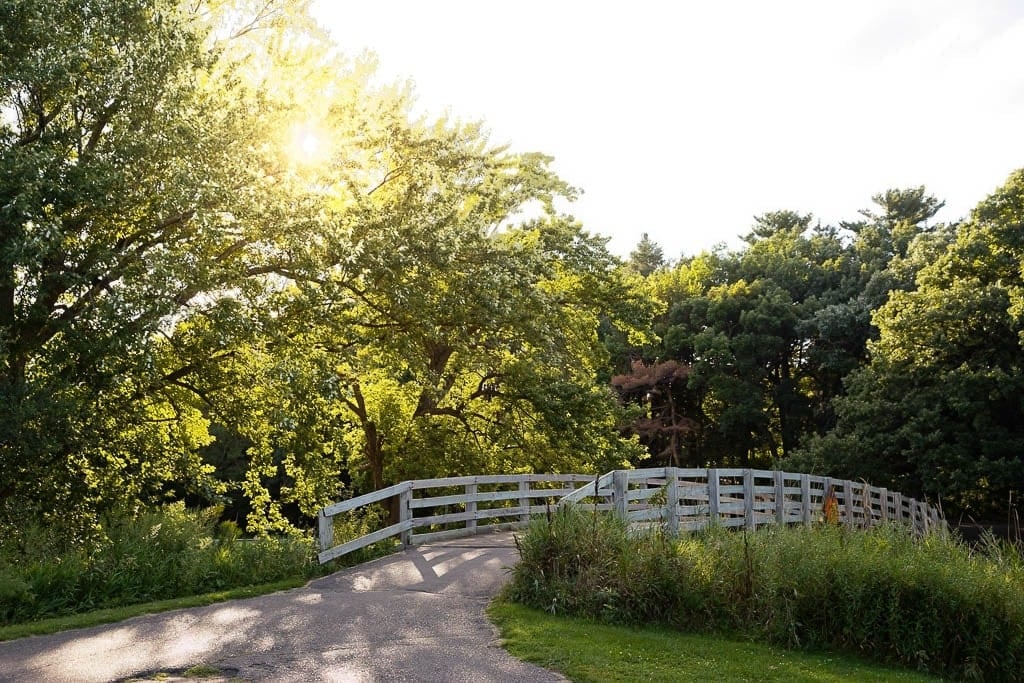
(587, 651)
(107, 616)
(160, 559)
(202, 671)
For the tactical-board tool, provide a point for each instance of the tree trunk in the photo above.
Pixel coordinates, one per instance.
(374, 453)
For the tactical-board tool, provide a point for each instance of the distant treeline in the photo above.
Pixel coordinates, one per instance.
(886, 348)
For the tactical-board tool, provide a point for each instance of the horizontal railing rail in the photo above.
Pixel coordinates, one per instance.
(680, 499)
(691, 499)
(433, 509)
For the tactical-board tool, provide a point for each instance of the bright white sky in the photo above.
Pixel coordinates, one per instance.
(685, 119)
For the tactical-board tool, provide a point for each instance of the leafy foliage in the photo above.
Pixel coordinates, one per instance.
(647, 257)
(938, 410)
(885, 349)
(767, 333)
(214, 288)
(182, 285)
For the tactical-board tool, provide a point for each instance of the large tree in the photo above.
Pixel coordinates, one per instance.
(457, 339)
(146, 185)
(116, 167)
(191, 248)
(647, 257)
(938, 410)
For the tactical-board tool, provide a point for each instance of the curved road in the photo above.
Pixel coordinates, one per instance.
(417, 615)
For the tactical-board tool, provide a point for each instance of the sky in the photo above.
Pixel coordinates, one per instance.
(684, 120)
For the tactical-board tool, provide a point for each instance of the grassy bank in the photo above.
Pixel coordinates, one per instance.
(591, 652)
(932, 605)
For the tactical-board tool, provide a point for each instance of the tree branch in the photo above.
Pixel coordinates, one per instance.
(96, 131)
(388, 177)
(187, 370)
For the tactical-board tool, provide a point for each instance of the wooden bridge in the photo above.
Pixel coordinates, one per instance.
(677, 498)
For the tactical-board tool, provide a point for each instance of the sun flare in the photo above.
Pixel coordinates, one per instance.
(308, 145)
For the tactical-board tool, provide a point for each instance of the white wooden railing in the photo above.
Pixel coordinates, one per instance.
(680, 499)
(488, 502)
(748, 498)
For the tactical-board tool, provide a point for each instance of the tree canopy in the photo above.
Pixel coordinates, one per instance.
(764, 336)
(938, 410)
(341, 294)
(887, 348)
(218, 289)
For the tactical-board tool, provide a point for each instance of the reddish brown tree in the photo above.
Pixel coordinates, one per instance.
(665, 427)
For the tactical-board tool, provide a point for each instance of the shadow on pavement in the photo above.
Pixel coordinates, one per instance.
(417, 615)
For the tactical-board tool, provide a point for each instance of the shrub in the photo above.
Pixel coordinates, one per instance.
(932, 604)
(164, 553)
(569, 562)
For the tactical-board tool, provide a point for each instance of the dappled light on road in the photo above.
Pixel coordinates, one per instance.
(418, 614)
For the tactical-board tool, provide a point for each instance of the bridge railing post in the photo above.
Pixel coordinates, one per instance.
(405, 515)
(805, 499)
(671, 501)
(471, 490)
(780, 496)
(524, 501)
(829, 502)
(713, 497)
(620, 487)
(749, 520)
(326, 531)
(848, 489)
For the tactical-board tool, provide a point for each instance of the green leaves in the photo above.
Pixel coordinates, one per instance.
(148, 234)
(769, 332)
(470, 338)
(938, 410)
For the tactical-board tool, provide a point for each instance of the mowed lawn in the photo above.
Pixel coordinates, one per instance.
(588, 652)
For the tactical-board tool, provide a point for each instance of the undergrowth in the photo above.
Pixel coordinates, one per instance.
(165, 553)
(931, 604)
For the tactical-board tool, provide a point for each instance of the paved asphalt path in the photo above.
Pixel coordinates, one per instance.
(417, 615)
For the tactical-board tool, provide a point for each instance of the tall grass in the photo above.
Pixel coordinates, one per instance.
(164, 553)
(932, 604)
(357, 523)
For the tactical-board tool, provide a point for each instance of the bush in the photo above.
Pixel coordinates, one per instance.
(569, 562)
(932, 604)
(165, 553)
